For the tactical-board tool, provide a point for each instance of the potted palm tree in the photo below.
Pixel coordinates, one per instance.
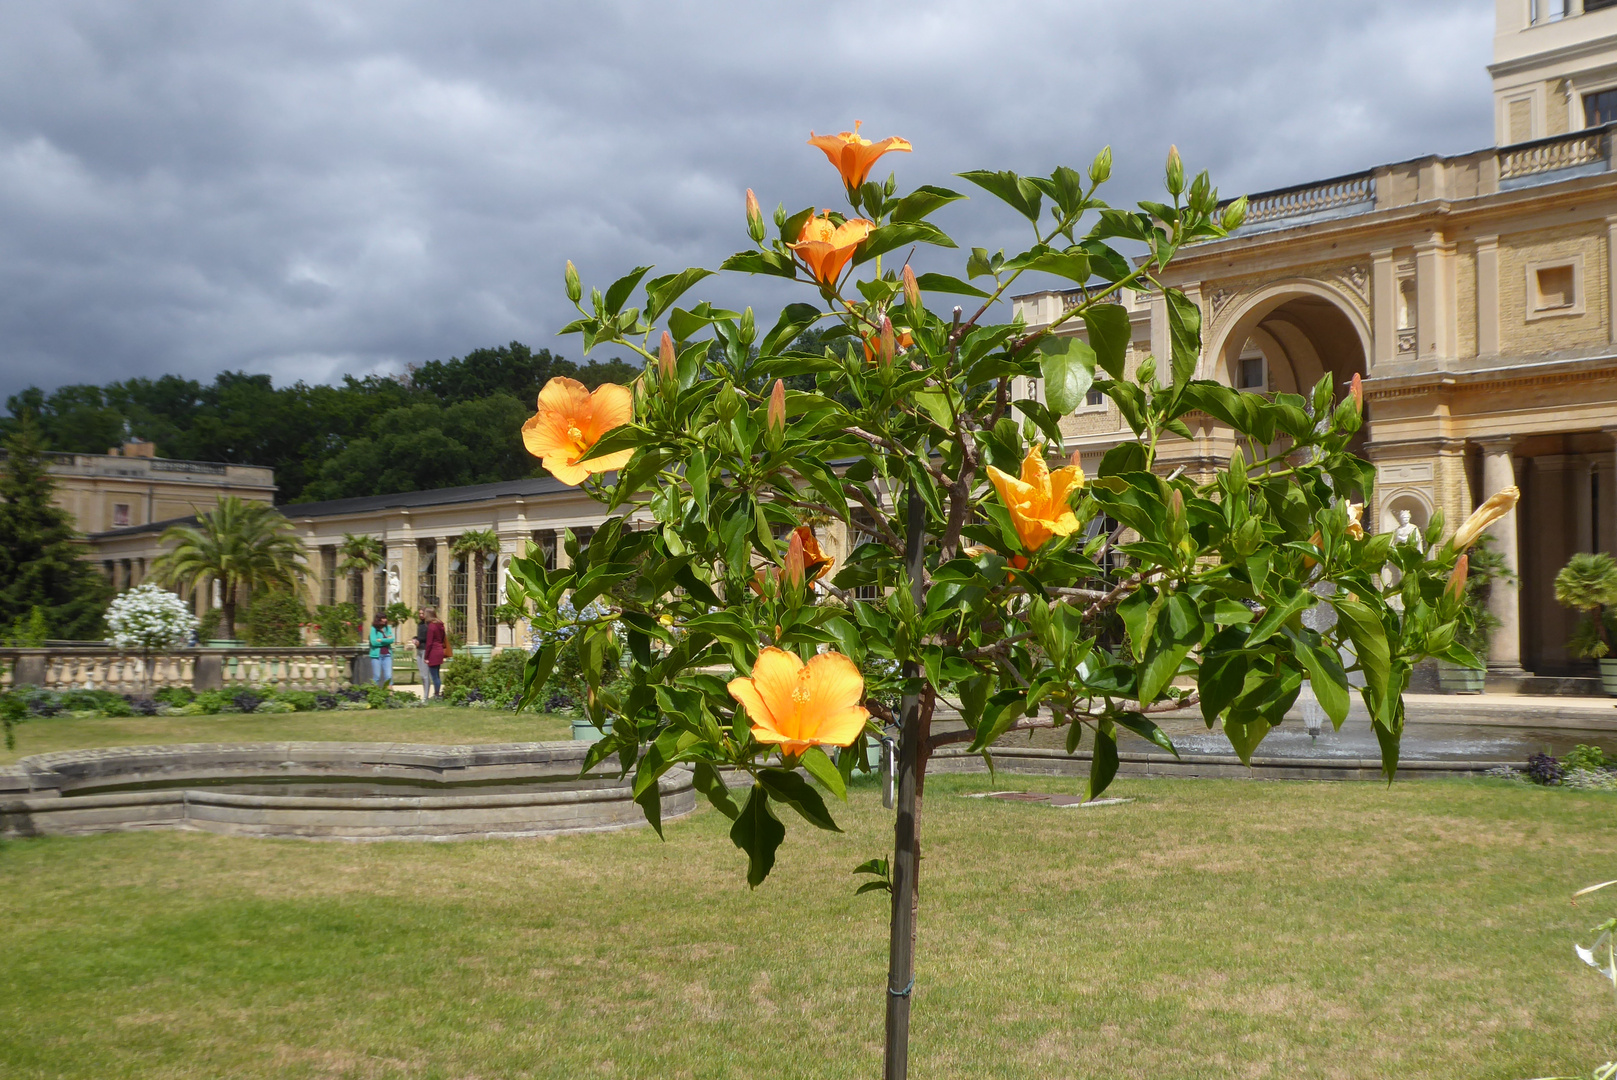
(1588, 583)
(360, 555)
(1477, 623)
(239, 544)
(476, 546)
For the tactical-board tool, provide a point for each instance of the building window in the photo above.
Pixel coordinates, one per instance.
(1600, 108)
(1555, 288)
(120, 515)
(1548, 11)
(1252, 373)
(1596, 5)
(1094, 397)
(328, 575)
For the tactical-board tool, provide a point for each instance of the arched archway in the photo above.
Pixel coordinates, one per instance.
(1302, 330)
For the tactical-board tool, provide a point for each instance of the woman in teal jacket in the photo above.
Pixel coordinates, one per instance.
(381, 651)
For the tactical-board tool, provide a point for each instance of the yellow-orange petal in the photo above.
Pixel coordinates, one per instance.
(1035, 471)
(1063, 482)
(564, 395)
(744, 691)
(774, 676)
(611, 406)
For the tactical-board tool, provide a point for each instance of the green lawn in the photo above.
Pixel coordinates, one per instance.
(425, 725)
(1207, 929)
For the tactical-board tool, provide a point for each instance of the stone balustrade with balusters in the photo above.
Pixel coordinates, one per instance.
(200, 669)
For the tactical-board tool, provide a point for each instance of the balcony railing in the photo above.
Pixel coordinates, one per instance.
(95, 668)
(1311, 198)
(1553, 154)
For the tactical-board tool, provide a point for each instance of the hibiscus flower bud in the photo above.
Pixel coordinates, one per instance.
(889, 343)
(575, 288)
(1176, 172)
(1100, 170)
(1235, 214)
(1356, 391)
(794, 560)
(777, 409)
(912, 291)
(1456, 588)
(665, 359)
(755, 218)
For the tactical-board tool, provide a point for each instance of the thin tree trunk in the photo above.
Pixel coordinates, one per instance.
(906, 829)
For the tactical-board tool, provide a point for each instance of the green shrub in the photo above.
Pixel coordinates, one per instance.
(275, 706)
(300, 700)
(174, 695)
(464, 671)
(276, 619)
(208, 627)
(338, 624)
(210, 702)
(1591, 758)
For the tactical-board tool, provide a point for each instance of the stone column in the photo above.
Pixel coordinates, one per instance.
(441, 566)
(1498, 473)
(476, 567)
(1608, 496)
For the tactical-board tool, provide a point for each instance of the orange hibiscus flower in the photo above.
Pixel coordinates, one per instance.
(853, 155)
(826, 248)
(570, 420)
(1038, 501)
(796, 705)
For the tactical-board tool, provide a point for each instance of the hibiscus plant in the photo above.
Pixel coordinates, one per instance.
(984, 583)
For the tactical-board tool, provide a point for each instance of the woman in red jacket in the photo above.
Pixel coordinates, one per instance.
(433, 644)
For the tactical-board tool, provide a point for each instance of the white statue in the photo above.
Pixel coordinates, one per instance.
(1407, 532)
(395, 593)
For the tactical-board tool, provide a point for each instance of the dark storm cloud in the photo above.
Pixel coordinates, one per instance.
(327, 187)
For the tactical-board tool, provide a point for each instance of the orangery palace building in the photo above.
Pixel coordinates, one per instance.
(1474, 293)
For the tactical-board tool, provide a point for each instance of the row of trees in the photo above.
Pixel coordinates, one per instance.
(444, 423)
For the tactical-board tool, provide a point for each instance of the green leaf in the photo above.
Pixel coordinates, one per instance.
(711, 784)
(1109, 335)
(1002, 710)
(620, 289)
(1068, 365)
(622, 437)
(761, 262)
(1185, 336)
(815, 762)
(758, 832)
(1103, 766)
(1021, 194)
(1245, 733)
(888, 237)
(943, 283)
(1220, 681)
(1125, 457)
(791, 789)
(696, 476)
(536, 672)
(1327, 678)
(794, 319)
(1146, 729)
(921, 202)
(651, 804)
(662, 291)
(1369, 639)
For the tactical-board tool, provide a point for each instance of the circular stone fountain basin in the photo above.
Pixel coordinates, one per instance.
(339, 791)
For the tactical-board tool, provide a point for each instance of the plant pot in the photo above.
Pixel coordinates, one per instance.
(1608, 676)
(1454, 679)
(482, 652)
(584, 731)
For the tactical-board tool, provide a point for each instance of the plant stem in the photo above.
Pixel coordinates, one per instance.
(912, 752)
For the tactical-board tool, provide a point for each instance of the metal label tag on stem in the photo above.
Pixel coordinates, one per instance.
(889, 771)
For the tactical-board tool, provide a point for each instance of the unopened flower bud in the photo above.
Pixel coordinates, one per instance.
(1235, 214)
(575, 288)
(1462, 568)
(727, 403)
(1356, 392)
(776, 417)
(1100, 170)
(665, 359)
(912, 291)
(1176, 172)
(888, 347)
(1176, 504)
(794, 560)
(755, 218)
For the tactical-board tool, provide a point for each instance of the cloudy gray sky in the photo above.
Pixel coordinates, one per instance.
(313, 187)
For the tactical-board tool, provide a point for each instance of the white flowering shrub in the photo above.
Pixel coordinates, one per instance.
(148, 618)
